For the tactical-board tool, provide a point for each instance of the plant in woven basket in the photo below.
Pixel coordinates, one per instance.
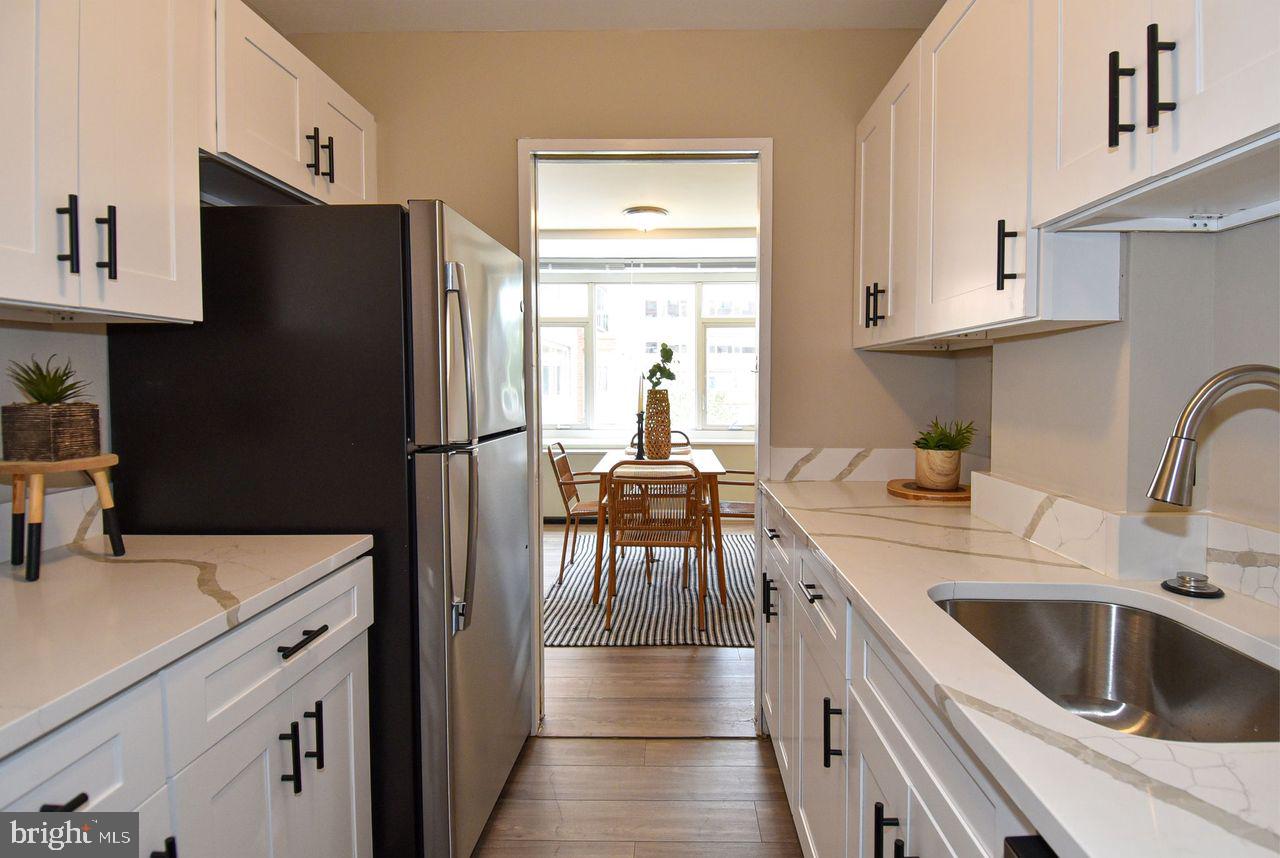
(657, 408)
(938, 449)
(52, 425)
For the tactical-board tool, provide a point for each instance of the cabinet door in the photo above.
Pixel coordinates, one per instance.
(821, 794)
(1074, 161)
(974, 76)
(139, 154)
(786, 748)
(39, 44)
(231, 801)
(333, 701)
(1221, 75)
(266, 101)
(771, 643)
(347, 131)
(155, 824)
(888, 161)
(874, 780)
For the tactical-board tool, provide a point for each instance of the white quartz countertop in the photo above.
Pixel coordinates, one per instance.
(95, 624)
(1089, 790)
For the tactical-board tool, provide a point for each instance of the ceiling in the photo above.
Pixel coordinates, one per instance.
(372, 16)
(590, 195)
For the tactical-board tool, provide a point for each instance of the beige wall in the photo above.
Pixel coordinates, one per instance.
(451, 106)
(1086, 413)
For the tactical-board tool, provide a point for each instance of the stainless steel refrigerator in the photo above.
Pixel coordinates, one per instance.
(360, 369)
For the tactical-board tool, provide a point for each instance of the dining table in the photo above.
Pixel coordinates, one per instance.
(708, 465)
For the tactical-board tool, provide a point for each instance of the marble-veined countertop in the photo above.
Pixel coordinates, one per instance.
(95, 624)
(1089, 790)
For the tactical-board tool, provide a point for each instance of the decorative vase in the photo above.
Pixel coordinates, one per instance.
(657, 425)
(49, 433)
(938, 469)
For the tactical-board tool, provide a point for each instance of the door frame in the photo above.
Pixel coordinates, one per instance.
(528, 152)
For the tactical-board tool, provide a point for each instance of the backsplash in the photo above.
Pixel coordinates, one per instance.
(792, 464)
(1148, 546)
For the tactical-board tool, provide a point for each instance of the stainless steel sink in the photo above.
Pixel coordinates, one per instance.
(1129, 669)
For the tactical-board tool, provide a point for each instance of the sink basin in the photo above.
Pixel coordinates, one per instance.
(1129, 669)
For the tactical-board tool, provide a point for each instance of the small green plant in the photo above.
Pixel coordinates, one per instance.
(662, 369)
(45, 383)
(946, 436)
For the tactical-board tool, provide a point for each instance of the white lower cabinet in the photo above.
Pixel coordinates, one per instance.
(820, 784)
(156, 837)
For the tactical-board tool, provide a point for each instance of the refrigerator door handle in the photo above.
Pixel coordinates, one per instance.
(463, 597)
(456, 283)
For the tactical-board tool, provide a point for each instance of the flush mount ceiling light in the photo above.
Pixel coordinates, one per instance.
(645, 218)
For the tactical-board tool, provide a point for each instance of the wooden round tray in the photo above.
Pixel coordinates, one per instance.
(908, 490)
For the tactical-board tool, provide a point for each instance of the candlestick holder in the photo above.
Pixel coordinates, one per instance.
(640, 436)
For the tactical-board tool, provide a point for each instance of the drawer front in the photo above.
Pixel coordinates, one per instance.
(823, 601)
(111, 754)
(778, 535)
(215, 689)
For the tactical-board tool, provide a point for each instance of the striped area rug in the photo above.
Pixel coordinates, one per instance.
(657, 613)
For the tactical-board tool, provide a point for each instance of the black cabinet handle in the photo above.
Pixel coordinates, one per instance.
(876, 316)
(866, 306)
(111, 263)
(75, 803)
(328, 147)
(72, 211)
(809, 594)
(170, 849)
(308, 635)
(295, 748)
(900, 849)
(1002, 235)
(767, 592)
(827, 751)
(1114, 72)
(314, 139)
(1154, 105)
(882, 822)
(318, 715)
(771, 533)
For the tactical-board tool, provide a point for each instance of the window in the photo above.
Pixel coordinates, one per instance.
(601, 331)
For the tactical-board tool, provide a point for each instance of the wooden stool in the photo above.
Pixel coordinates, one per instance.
(34, 473)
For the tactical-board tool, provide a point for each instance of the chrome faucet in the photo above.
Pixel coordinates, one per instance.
(1176, 473)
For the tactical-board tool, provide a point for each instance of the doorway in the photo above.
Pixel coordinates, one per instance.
(686, 269)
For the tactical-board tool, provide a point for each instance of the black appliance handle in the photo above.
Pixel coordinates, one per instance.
(881, 823)
(1154, 105)
(294, 739)
(112, 262)
(1114, 126)
(308, 635)
(827, 751)
(76, 803)
(318, 715)
(72, 211)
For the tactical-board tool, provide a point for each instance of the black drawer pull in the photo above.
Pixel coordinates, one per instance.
(1154, 105)
(314, 139)
(882, 822)
(1002, 235)
(809, 594)
(1114, 126)
(170, 849)
(112, 263)
(318, 715)
(900, 849)
(328, 147)
(767, 592)
(295, 751)
(827, 751)
(771, 534)
(75, 803)
(72, 211)
(308, 635)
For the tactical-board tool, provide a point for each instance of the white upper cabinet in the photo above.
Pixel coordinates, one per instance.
(280, 115)
(1090, 94)
(99, 185)
(888, 157)
(139, 176)
(1220, 72)
(976, 265)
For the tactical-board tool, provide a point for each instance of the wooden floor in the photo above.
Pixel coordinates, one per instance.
(643, 798)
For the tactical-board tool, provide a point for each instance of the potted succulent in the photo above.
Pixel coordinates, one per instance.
(52, 425)
(938, 454)
(657, 406)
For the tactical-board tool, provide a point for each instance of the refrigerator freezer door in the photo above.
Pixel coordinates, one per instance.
(476, 682)
(468, 329)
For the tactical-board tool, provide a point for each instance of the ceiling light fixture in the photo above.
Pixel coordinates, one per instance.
(645, 218)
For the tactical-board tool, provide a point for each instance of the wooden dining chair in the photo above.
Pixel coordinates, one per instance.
(680, 442)
(657, 505)
(738, 509)
(575, 508)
